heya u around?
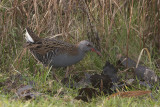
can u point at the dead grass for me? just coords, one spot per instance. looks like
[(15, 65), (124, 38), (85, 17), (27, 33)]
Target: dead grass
[(114, 26)]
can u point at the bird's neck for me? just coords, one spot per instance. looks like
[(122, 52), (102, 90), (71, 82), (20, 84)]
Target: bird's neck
[(81, 54)]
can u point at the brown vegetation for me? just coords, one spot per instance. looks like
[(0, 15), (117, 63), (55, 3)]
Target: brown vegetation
[(73, 20)]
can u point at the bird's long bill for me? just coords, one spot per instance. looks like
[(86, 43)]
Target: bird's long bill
[(96, 51)]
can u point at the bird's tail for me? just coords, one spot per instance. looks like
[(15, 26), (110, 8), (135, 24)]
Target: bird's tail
[(30, 36)]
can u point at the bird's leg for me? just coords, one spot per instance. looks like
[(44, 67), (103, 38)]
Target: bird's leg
[(67, 72), (54, 75)]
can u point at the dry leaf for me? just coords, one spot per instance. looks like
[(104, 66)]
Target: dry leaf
[(130, 94)]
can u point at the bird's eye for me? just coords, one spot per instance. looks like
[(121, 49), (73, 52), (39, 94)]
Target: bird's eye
[(89, 45)]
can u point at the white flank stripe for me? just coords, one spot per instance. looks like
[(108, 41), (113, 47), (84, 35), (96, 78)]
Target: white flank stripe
[(28, 37)]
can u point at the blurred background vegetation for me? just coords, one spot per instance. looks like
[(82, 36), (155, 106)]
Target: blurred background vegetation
[(114, 26)]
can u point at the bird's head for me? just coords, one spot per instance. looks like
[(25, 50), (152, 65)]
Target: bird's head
[(86, 46)]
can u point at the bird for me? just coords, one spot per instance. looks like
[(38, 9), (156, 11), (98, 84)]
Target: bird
[(56, 53)]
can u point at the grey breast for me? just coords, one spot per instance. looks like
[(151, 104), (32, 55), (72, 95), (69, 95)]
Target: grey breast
[(63, 60)]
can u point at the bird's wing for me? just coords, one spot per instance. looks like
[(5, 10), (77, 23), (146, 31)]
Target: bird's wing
[(57, 47)]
